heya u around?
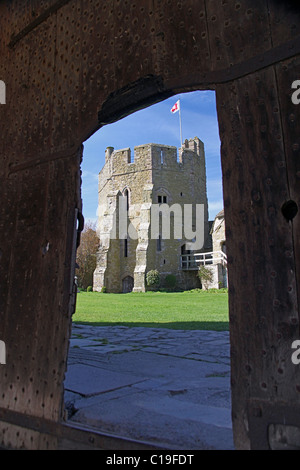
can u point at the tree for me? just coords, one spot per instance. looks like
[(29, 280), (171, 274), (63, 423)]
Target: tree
[(87, 255)]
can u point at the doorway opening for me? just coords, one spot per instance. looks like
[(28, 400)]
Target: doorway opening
[(127, 284), (152, 364)]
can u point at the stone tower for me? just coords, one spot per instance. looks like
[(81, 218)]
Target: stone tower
[(155, 176)]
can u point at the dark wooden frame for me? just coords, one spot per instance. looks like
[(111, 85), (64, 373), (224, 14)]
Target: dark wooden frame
[(70, 67)]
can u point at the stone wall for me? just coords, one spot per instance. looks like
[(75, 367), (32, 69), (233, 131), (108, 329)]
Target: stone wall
[(218, 233), (219, 276), (154, 174), (219, 270)]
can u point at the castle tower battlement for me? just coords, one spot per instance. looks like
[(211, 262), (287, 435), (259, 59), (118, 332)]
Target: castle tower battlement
[(153, 155)]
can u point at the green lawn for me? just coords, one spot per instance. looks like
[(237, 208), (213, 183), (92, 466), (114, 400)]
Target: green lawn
[(194, 310)]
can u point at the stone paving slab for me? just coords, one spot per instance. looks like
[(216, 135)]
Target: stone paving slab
[(144, 416), (170, 387), (220, 417), (87, 380)]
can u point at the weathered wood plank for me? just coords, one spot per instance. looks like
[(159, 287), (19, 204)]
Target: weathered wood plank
[(263, 299), (40, 267), (286, 73), (229, 24), (45, 434), (59, 72)]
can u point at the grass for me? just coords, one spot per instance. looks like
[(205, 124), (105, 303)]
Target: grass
[(190, 310)]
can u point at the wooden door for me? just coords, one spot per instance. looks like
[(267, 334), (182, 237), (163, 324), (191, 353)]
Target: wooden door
[(127, 284)]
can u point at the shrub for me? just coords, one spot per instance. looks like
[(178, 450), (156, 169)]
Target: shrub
[(103, 290), (152, 278), (170, 281), (89, 289)]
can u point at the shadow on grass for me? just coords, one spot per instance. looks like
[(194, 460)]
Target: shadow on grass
[(193, 325)]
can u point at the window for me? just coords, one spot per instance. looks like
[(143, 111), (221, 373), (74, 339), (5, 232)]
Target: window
[(126, 248), (158, 243), (162, 199), (126, 194)]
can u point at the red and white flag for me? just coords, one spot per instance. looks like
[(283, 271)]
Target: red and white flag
[(176, 107)]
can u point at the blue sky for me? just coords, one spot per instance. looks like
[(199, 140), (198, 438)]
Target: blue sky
[(158, 125)]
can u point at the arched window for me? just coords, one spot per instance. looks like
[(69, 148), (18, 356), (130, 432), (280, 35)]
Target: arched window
[(126, 195), (161, 156), (126, 248), (162, 196), (158, 243)]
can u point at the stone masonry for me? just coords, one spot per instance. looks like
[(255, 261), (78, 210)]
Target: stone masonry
[(219, 270), (155, 175)]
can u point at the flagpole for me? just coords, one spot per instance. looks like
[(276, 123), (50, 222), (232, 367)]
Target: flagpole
[(180, 124), (174, 109)]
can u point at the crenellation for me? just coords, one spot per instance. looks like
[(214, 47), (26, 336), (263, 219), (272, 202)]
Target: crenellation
[(200, 148), (120, 160), (108, 153), (163, 156), (152, 156), (142, 157), (188, 158), (193, 144)]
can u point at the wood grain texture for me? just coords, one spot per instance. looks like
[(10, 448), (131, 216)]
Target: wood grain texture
[(62, 63)]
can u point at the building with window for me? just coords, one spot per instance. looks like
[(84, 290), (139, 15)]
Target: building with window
[(135, 238)]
